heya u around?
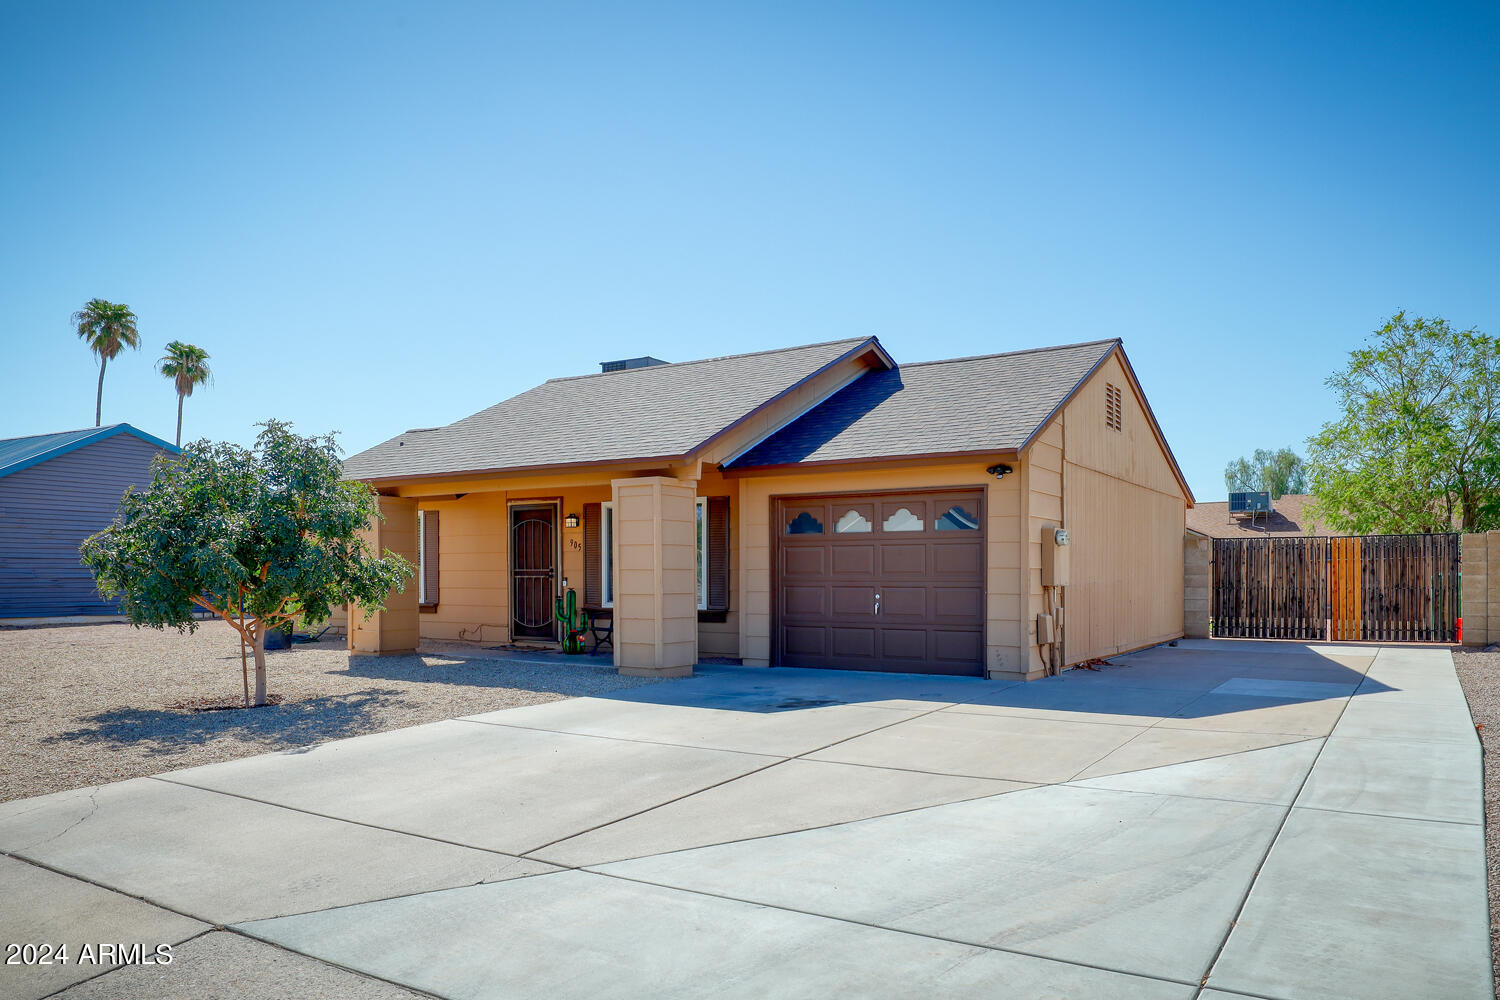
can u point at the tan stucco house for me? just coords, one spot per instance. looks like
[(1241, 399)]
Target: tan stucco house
[(819, 506)]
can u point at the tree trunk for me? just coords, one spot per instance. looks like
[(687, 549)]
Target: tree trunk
[(179, 420), (260, 663), (99, 396)]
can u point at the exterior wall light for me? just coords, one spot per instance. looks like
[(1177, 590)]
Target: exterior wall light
[(571, 521), (999, 471)]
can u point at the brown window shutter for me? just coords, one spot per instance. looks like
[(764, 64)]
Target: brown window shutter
[(718, 553), (430, 555), (593, 586)]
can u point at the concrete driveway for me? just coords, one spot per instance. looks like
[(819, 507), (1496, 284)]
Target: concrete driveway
[(1213, 820)]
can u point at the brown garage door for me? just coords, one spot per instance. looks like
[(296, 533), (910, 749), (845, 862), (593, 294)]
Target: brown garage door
[(881, 582)]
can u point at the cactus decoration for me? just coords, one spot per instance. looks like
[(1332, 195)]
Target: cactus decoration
[(575, 622)]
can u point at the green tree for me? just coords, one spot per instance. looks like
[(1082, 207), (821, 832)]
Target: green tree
[(108, 328), (1275, 472), (257, 537), (186, 366), (1417, 446)]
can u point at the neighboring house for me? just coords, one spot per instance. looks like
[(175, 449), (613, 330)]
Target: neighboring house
[(55, 491), (1289, 516), (818, 506)]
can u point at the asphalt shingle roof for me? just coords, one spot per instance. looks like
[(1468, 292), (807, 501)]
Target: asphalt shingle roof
[(991, 403), (1288, 516), (24, 452), (654, 412)]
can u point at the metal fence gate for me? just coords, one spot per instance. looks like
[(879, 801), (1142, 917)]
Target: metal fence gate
[(1380, 588)]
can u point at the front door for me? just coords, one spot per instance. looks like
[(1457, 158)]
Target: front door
[(533, 562)]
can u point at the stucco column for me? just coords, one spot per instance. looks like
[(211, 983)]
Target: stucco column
[(656, 593), (394, 630)]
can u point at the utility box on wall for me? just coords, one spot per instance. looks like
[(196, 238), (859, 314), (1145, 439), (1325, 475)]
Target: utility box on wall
[(1055, 561)]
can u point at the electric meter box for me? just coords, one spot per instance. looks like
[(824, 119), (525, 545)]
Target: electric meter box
[(1055, 559)]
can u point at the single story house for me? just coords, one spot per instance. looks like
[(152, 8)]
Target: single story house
[(55, 491), (1289, 515), (818, 506)]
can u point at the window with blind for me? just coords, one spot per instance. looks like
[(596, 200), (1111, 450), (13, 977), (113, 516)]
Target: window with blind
[(711, 515)]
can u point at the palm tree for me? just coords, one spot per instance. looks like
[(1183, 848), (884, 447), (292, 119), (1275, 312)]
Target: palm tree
[(187, 366), (108, 329)]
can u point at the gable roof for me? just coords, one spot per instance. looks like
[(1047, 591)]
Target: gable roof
[(661, 412), (993, 403), (1289, 516), (24, 452)]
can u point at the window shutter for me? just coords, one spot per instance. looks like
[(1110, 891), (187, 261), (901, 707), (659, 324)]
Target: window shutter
[(718, 553), (430, 556), (593, 586)]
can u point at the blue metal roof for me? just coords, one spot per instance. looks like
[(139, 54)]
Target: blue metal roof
[(24, 452)]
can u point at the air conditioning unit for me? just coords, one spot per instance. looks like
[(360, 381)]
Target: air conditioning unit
[(1249, 503)]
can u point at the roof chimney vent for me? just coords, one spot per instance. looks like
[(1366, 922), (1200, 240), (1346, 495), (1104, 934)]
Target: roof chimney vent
[(620, 366)]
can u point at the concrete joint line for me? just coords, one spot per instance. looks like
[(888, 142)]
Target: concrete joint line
[(109, 888), (1373, 815), (335, 965), (1270, 846), (116, 968), (641, 812), (336, 819), (1122, 746), (1029, 785), (400, 895), (1078, 722), (213, 925), (718, 784), (893, 930), (770, 836), (619, 739), (1238, 993)]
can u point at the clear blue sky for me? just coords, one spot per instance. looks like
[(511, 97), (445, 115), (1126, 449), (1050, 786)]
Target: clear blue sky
[(378, 216)]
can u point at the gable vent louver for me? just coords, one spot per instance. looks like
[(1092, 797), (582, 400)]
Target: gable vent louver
[(1112, 406)]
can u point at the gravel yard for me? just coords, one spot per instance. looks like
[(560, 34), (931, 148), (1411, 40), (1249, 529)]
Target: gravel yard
[(88, 704), (1479, 673)]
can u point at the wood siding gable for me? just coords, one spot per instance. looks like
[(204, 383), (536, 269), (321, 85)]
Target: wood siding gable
[(48, 509)]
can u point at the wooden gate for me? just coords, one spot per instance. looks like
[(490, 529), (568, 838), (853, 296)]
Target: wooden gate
[(1378, 588)]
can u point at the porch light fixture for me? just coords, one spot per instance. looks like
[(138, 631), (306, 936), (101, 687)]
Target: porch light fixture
[(999, 471), (571, 521)]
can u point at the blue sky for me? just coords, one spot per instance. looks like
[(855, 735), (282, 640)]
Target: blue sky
[(378, 216)]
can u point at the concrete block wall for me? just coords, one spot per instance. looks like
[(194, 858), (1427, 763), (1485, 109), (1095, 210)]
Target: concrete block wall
[(1480, 555), (1474, 556), (1489, 609), (1476, 553), (1197, 556)]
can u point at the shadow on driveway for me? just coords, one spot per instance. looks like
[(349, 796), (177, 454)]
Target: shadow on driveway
[(158, 732), (1151, 685), (581, 675)]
